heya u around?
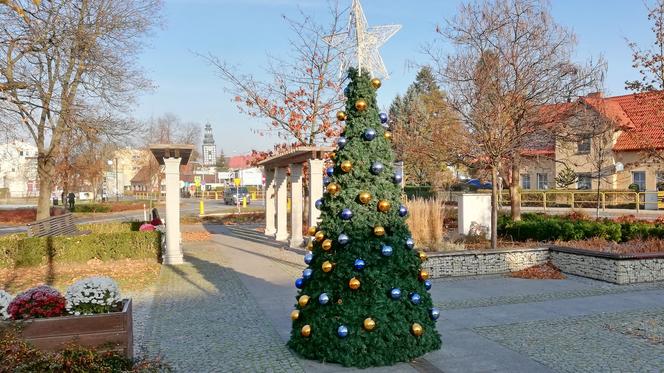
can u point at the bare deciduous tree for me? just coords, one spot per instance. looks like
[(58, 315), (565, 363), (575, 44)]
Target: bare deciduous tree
[(305, 92), (70, 56), (509, 59)]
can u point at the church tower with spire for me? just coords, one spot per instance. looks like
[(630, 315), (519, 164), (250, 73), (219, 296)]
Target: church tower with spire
[(209, 149)]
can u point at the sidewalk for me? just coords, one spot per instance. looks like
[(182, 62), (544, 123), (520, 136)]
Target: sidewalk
[(228, 310)]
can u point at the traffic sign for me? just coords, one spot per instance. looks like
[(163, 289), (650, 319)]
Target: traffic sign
[(237, 181), (197, 181)]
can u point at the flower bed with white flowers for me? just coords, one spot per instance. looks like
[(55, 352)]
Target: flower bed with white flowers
[(92, 313)]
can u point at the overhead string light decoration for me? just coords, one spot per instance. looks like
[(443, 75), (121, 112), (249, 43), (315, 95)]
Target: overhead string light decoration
[(358, 46)]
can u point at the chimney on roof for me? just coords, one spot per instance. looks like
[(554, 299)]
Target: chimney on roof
[(596, 95)]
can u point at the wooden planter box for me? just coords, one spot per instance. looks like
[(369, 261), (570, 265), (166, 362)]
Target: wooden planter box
[(108, 331)]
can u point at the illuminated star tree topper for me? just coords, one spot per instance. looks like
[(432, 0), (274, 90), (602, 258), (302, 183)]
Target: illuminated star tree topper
[(359, 45)]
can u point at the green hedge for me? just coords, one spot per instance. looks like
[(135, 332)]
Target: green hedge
[(92, 207), (25, 252), (541, 227)]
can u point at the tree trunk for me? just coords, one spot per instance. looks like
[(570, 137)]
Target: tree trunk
[(515, 195), (45, 169), (494, 207)]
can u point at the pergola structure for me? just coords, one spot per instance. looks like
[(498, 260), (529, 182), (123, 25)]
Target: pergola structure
[(275, 169)]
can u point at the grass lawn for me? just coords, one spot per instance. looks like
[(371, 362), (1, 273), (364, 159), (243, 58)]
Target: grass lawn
[(130, 274)]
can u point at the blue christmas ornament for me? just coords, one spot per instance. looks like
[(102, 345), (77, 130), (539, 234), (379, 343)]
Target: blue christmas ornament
[(343, 239), (435, 313), (427, 284), (369, 134), (308, 257), (299, 283), (395, 293), (359, 264), (383, 118), (329, 171), (415, 298), (346, 214), (403, 211), (376, 168), (397, 178), (410, 243), (326, 180), (306, 274), (319, 203), (323, 298), (342, 142), (386, 250), (347, 91), (342, 332)]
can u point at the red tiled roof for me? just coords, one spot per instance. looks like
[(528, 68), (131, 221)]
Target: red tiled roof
[(646, 113), (239, 161)]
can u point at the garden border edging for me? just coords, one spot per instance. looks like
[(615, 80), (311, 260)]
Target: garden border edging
[(614, 268)]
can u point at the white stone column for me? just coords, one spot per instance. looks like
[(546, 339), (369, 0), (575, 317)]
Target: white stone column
[(281, 186), (173, 252), (315, 189), (296, 205), (474, 208), (270, 202)]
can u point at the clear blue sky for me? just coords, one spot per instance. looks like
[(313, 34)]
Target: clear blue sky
[(243, 31)]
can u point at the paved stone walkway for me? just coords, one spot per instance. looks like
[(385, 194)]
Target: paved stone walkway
[(228, 310)]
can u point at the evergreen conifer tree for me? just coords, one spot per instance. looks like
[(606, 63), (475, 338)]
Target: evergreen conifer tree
[(363, 299)]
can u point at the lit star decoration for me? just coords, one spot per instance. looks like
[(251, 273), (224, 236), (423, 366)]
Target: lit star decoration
[(359, 44)]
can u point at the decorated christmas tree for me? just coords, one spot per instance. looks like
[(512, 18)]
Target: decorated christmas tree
[(363, 299)]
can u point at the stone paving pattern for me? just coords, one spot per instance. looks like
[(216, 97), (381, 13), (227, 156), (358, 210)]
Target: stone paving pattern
[(584, 343), (228, 310)]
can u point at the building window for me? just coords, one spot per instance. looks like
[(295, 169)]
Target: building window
[(583, 181), (583, 146), (525, 181), (542, 181), (660, 180), (20, 153), (639, 178)]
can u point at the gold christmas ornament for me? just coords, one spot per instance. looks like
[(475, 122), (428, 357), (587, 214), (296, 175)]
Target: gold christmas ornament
[(424, 275), (303, 300), (369, 324), (417, 329), (310, 245), (387, 135), (333, 188), (333, 155), (320, 236), (354, 283), (306, 331), (375, 82), (346, 166), (423, 256), (361, 105), (365, 197), (312, 230), (327, 266), (340, 301), (327, 245), (295, 314), (379, 231), (341, 116), (383, 205)]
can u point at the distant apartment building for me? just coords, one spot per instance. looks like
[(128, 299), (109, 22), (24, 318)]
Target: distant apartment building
[(129, 163), (614, 141), (18, 169)]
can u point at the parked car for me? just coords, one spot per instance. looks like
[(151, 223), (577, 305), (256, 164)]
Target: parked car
[(233, 195)]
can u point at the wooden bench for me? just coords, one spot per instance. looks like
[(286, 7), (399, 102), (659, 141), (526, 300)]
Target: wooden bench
[(61, 225)]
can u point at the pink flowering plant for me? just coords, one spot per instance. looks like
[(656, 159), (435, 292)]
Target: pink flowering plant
[(93, 295), (39, 302), (5, 299)]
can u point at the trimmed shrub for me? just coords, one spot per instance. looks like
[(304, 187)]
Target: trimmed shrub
[(540, 227), (92, 207), (79, 249), (39, 302)]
